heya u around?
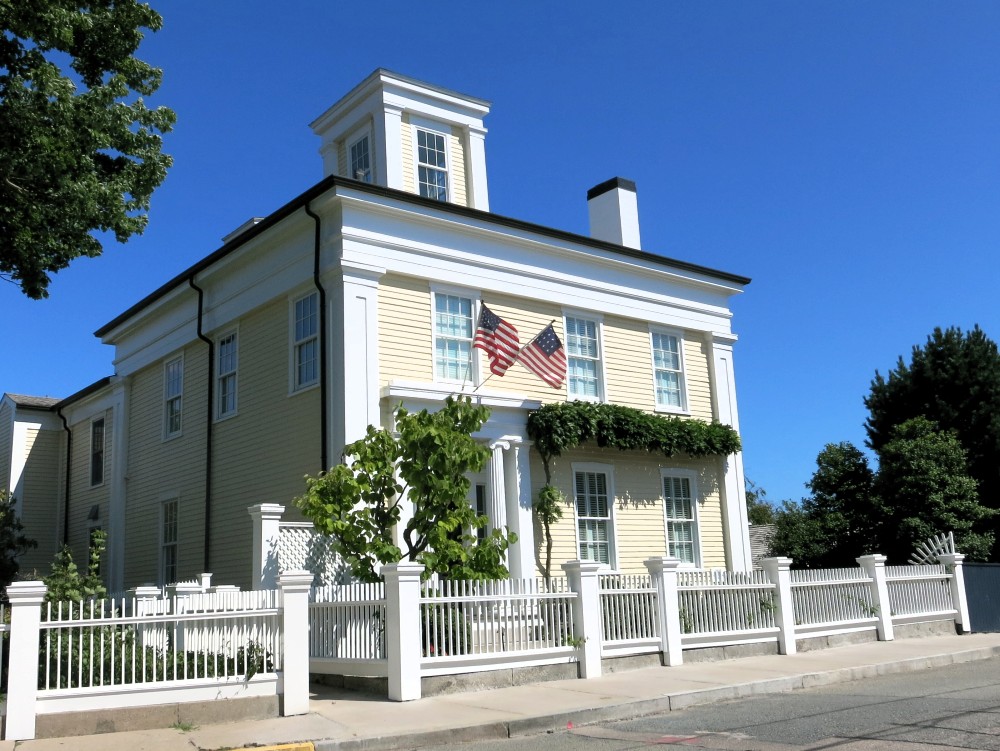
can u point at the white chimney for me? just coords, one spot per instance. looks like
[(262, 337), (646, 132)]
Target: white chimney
[(614, 212)]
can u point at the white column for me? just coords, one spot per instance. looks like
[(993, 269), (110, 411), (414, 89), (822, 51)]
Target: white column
[(521, 555), (402, 629), (874, 566), (954, 563), (266, 535), (295, 656), (479, 194), (733, 488), (582, 577), (663, 571), (119, 469), (22, 675), (778, 571), (498, 485)]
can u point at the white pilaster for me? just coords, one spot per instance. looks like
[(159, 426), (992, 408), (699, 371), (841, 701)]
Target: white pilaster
[(583, 580), (479, 195), (953, 561), (874, 566), (733, 488), (266, 533), (22, 677), (779, 572), (521, 555), (389, 146), (402, 629), (119, 487), (498, 485), (295, 621), (663, 572)]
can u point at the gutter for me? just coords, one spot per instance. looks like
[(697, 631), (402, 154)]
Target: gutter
[(69, 467), (323, 388), (209, 422)]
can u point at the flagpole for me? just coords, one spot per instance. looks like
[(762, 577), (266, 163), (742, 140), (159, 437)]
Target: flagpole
[(515, 356)]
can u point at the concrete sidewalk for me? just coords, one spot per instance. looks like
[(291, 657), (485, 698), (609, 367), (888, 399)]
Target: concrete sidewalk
[(346, 721)]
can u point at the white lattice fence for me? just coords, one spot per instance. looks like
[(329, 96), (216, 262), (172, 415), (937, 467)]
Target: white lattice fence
[(300, 547)]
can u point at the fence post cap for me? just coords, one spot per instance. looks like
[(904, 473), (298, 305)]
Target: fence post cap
[(662, 563), (26, 593), (584, 567), (402, 570), (947, 557), (779, 563), (876, 559), (266, 511)]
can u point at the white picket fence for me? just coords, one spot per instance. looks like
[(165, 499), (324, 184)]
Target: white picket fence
[(347, 629), (834, 600), (718, 608)]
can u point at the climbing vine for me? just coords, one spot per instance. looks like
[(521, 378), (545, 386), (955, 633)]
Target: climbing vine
[(558, 427)]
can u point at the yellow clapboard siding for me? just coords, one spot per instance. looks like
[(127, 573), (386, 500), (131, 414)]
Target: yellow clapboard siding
[(405, 338), (409, 155), (41, 490), (628, 363), (697, 376), (6, 444), (456, 162)]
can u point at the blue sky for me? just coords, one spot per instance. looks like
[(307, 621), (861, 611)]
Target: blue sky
[(844, 155)]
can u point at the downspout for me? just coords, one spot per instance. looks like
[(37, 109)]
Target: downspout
[(323, 388), (69, 466), (208, 423)]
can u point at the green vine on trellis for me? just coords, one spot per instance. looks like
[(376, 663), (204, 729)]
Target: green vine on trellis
[(558, 427)]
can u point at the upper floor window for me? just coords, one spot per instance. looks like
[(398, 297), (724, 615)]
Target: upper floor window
[(432, 164), (680, 510), (668, 371), (452, 337), (583, 366), (593, 515), (361, 161), (173, 389), (305, 344), (226, 358), (168, 541), (97, 452)]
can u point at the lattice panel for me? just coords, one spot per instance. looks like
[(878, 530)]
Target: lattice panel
[(304, 548)]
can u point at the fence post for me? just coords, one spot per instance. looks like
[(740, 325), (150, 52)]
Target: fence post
[(295, 638), (22, 673), (953, 561), (402, 630), (663, 572), (778, 571), (266, 531), (583, 580), (874, 566)]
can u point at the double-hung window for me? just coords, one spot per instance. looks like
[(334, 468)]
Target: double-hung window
[(432, 164), (583, 362), (305, 342), (97, 452), (168, 541), (226, 360), (361, 161), (668, 371), (592, 496), (453, 330), (680, 508), (173, 391)]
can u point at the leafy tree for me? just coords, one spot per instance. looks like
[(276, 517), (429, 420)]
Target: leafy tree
[(358, 503), (923, 477), (759, 511), (954, 381), (79, 149), (12, 541)]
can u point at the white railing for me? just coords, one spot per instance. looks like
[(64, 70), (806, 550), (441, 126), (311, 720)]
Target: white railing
[(832, 599), (473, 623), (98, 644), (629, 618), (919, 590), (347, 629), (725, 607)]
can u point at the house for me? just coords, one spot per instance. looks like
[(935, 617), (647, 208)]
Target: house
[(255, 366)]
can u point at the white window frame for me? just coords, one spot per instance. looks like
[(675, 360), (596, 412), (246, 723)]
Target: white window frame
[(352, 141), (104, 450), (434, 129), (480, 502), (473, 297), (598, 322), (692, 478), (682, 372), (170, 398), (609, 478), (233, 373), (166, 503), (296, 344)]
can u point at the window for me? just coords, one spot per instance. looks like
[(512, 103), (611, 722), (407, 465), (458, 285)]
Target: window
[(452, 337), (305, 345), (593, 516), (173, 388), (226, 362), (361, 163), (668, 372), (479, 506), (168, 541), (432, 165), (682, 527), (583, 366), (97, 452)]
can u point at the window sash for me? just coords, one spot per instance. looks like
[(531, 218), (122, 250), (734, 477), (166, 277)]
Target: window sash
[(97, 452), (227, 363), (667, 371), (682, 528), (173, 388), (168, 542), (583, 358), (306, 336), (432, 165), (453, 332), (361, 166), (593, 515)]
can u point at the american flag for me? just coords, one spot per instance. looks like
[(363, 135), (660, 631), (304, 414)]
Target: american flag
[(545, 357), (498, 339)]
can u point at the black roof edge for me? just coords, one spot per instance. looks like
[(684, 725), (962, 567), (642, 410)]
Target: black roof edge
[(85, 391), (333, 181), (614, 182)]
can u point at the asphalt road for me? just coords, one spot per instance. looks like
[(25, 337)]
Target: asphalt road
[(955, 707)]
